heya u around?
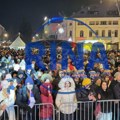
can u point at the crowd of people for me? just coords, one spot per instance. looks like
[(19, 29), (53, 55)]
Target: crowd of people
[(26, 86)]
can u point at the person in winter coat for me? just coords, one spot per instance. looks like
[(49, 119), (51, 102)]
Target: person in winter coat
[(117, 86), (7, 100), (46, 110), (27, 96), (116, 92), (84, 94), (106, 107), (66, 100)]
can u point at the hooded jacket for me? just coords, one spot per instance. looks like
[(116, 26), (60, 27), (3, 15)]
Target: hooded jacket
[(66, 100), (46, 110)]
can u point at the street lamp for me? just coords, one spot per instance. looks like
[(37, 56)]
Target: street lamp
[(37, 35), (45, 18), (6, 35)]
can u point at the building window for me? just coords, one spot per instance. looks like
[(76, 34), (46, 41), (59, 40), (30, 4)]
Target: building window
[(115, 22), (109, 22), (81, 33), (90, 33), (70, 33), (103, 23), (97, 22), (109, 33), (103, 33), (70, 24), (80, 23), (91, 23), (116, 33)]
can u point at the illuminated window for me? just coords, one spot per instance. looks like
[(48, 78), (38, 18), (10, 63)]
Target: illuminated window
[(70, 24), (116, 33), (90, 33), (103, 23), (70, 33), (91, 23), (81, 33), (103, 33), (80, 23), (109, 22), (115, 22), (97, 22), (109, 33)]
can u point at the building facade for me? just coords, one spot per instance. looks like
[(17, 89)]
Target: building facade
[(106, 28)]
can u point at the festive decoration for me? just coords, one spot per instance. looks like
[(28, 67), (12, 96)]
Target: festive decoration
[(102, 58), (35, 51), (53, 55), (37, 57)]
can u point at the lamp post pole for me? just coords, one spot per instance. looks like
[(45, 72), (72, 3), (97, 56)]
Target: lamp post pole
[(117, 5)]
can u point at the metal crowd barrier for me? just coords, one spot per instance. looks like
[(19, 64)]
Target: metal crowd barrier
[(11, 113), (38, 112), (83, 110), (89, 110)]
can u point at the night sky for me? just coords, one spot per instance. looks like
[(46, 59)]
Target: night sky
[(14, 12)]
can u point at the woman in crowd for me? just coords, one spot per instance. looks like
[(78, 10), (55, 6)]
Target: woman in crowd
[(106, 107), (46, 110), (27, 96)]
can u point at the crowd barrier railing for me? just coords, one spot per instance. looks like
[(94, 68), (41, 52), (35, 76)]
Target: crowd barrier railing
[(44, 111), (11, 113), (82, 110), (89, 110)]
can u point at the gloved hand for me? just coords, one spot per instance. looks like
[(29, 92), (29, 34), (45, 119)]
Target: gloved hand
[(25, 107)]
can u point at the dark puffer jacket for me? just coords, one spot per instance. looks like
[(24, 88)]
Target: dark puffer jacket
[(106, 106)]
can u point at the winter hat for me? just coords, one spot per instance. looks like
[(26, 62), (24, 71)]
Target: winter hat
[(86, 82), (46, 76), (29, 80)]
